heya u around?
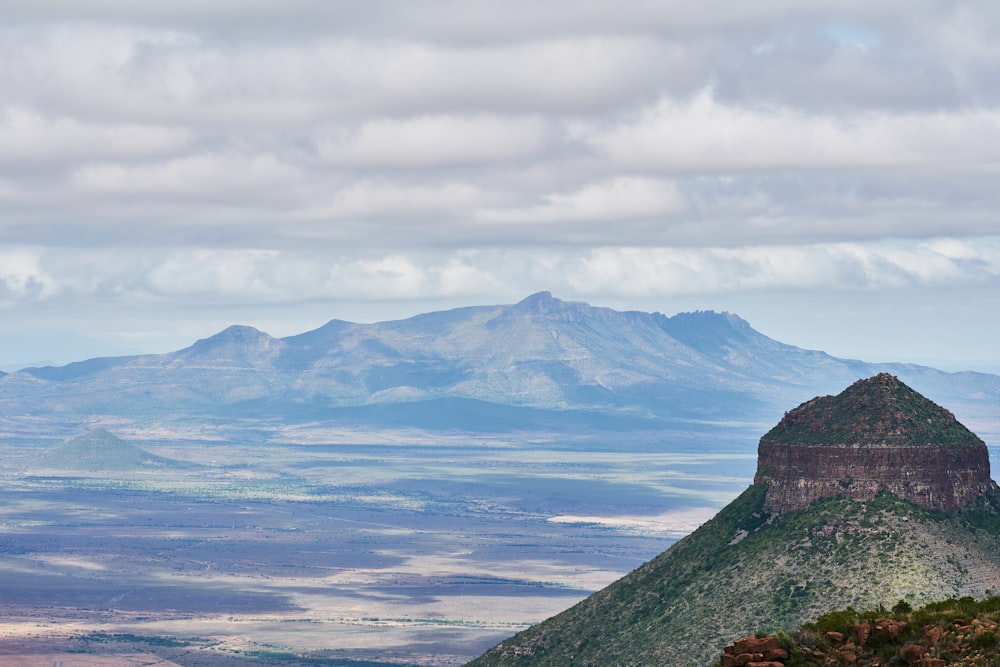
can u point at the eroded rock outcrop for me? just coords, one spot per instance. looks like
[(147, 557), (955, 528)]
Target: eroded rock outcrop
[(951, 633), (877, 435)]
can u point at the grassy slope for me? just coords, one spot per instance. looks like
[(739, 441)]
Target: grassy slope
[(741, 573)]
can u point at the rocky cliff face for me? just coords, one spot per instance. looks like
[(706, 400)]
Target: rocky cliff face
[(877, 435)]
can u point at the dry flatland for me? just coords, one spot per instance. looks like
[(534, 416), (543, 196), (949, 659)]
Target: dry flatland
[(320, 547)]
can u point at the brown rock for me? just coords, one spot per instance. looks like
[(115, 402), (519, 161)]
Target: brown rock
[(835, 638), (728, 660), (848, 657), (776, 654), (912, 652), (767, 663), (754, 644), (893, 628), (933, 633), (862, 631), (930, 662)]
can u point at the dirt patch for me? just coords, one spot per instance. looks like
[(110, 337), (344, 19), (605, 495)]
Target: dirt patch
[(77, 660)]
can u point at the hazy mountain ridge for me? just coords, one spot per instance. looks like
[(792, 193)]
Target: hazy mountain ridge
[(542, 353)]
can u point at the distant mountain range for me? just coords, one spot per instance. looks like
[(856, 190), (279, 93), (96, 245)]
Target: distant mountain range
[(540, 363)]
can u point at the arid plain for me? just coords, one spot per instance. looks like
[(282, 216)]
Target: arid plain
[(316, 545)]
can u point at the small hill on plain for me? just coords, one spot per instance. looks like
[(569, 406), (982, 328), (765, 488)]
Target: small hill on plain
[(98, 451)]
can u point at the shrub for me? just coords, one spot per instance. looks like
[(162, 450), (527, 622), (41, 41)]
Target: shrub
[(902, 607)]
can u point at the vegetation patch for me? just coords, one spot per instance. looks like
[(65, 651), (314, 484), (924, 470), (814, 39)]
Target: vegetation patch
[(880, 409), (129, 638), (957, 631)]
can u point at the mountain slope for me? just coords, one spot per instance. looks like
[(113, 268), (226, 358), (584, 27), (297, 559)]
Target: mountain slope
[(746, 571), (565, 359), (846, 529)]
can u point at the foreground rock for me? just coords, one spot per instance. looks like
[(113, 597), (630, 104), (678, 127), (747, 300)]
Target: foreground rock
[(954, 632)]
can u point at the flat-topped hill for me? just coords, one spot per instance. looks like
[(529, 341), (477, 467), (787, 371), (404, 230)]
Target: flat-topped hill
[(877, 435)]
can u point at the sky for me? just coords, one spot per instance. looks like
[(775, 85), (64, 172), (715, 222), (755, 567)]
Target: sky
[(826, 170)]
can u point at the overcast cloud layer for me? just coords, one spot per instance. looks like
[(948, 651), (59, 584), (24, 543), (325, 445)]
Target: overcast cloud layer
[(170, 168)]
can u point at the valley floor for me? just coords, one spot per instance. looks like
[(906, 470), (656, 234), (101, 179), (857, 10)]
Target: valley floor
[(316, 546)]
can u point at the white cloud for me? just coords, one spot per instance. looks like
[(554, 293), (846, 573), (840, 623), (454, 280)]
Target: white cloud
[(620, 199), (704, 135), (253, 275), (26, 137), (434, 141), (370, 200), (669, 272), (455, 20), (21, 275), (196, 174), (162, 76)]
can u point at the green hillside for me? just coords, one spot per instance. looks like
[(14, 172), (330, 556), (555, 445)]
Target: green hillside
[(746, 571)]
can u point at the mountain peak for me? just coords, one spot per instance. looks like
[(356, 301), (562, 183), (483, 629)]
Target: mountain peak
[(876, 435), (238, 332), (542, 306), (877, 410), (99, 437), (237, 338), (539, 302)]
